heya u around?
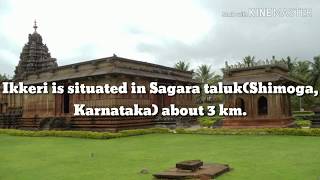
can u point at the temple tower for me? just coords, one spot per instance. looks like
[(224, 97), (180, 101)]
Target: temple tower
[(34, 57)]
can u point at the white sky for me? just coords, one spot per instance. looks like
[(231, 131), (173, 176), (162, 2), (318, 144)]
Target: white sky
[(158, 31)]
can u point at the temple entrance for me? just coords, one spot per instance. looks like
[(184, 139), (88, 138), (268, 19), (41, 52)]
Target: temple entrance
[(159, 100), (262, 106), (240, 104), (66, 103)]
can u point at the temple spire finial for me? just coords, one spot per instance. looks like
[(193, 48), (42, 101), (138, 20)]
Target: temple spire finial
[(35, 26)]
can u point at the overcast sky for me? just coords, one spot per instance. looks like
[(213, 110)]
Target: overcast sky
[(157, 31)]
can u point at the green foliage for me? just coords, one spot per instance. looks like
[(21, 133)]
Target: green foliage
[(307, 72), (182, 66), (289, 62), (251, 157), (248, 60), (83, 134), (204, 75), (301, 70), (315, 72), (206, 121), (136, 132), (4, 77), (303, 123), (257, 131)]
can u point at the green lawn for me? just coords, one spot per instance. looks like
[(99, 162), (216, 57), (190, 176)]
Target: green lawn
[(252, 157)]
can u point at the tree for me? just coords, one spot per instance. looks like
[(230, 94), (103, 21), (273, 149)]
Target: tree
[(4, 77), (248, 60), (315, 72), (203, 74), (215, 79), (312, 78), (301, 70), (289, 62), (308, 73), (183, 66)]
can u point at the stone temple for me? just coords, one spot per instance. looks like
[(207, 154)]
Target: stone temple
[(263, 110), (52, 111), (55, 111)]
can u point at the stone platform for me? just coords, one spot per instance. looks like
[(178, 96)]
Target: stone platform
[(257, 123), (193, 169)]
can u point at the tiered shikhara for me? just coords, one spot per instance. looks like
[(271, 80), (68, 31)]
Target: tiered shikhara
[(35, 56)]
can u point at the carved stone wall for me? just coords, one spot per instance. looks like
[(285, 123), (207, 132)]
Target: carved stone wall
[(263, 110)]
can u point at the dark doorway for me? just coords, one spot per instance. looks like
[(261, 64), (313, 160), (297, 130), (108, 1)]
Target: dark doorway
[(160, 100), (262, 106), (240, 104), (66, 103)]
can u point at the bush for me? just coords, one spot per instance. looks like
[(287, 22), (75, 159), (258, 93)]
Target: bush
[(135, 132), (83, 134), (127, 133), (206, 121), (302, 123), (258, 131)]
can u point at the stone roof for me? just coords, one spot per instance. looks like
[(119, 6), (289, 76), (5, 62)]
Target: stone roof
[(262, 71), (108, 66), (276, 78), (256, 65)]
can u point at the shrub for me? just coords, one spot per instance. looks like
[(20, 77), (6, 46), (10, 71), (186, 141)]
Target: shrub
[(83, 134), (127, 133), (258, 131), (135, 132), (206, 121), (302, 123)]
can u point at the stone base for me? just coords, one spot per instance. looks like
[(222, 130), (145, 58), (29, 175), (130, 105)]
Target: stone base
[(257, 123), (315, 122), (206, 171)]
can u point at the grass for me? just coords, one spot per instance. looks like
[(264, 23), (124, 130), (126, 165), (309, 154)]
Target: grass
[(252, 157)]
